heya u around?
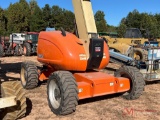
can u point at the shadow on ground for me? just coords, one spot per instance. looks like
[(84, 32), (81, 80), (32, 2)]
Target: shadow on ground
[(5, 68)]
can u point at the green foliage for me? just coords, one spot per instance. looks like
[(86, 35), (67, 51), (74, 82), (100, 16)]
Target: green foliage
[(62, 18), (36, 22), (68, 21), (56, 17), (100, 21), (111, 28), (142, 21), (18, 17), (23, 16), (121, 30), (46, 15), (3, 22)]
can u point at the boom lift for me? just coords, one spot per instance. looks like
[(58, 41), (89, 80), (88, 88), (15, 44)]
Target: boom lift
[(69, 63)]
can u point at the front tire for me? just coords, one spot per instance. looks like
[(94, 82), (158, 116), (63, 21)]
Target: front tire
[(137, 82), (18, 50), (140, 54), (13, 89), (29, 75), (62, 93), (1, 51), (27, 49)]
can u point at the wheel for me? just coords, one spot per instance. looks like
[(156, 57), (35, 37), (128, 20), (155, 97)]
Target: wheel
[(13, 88), (29, 75), (140, 54), (27, 49), (137, 82), (18, 50), (1, 51), (130, 52), (62, 93)]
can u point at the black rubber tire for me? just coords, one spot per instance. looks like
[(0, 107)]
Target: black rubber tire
[(28, 49), (29, 75), (67, 87), (13, 88), (137, 82), (142, 53), (131, 52), (18, 50), (1, 51)]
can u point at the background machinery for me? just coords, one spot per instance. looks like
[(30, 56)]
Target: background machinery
[(12, 100), (131, 44), (69, 64), (26, 43), (7, 46), (19, 44), (150, 68), (30, 43)]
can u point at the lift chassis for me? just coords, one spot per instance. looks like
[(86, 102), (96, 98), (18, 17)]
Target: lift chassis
[(69, 64)]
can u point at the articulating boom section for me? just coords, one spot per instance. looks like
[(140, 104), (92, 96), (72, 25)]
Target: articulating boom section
[(85, 21)]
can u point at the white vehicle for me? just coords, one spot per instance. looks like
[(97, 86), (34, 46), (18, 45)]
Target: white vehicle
[(26, 43), (18, 38)]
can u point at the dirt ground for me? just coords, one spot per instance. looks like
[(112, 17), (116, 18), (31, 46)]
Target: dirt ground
[(110, 107)]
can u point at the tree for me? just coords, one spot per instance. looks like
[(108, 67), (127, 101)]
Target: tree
[(148, 22), (57, 17), (36, 18), (3, 22), (46, 13), (121, 30), (143, 21), (18, 17), (132, 19), (111, 28), (100, 21), (25, 14), (62, 18), (68, 21), (157, 17)]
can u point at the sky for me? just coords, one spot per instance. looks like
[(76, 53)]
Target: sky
[(114, 10)]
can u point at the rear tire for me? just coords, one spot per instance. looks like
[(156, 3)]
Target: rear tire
[(1, 51), (13, 89), (141, 53), (131, 52), (18, 50), (29, 75), (62, 93), (137, 82), (27, 49)]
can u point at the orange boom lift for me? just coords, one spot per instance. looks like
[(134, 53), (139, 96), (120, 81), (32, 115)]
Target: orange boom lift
[(69, 63)]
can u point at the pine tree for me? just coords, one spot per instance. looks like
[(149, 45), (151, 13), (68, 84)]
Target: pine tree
[(100, 21)]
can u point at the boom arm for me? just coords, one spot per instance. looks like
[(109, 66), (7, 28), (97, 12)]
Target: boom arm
[(85, 21)]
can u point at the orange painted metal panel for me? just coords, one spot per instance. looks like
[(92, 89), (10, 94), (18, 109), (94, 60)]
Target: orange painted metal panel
[(45, 73), (85, 90), (65, 52), (97, 83), (123, 84), (61, 52)]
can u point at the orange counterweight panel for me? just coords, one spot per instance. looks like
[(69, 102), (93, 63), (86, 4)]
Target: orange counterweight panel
[(61, 52), (97, 83), (65, 52)]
